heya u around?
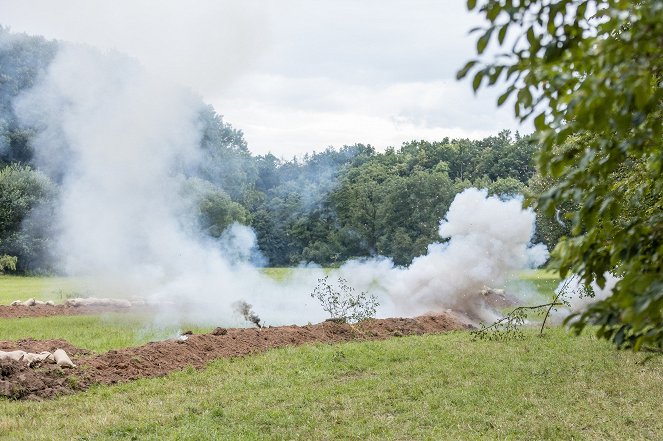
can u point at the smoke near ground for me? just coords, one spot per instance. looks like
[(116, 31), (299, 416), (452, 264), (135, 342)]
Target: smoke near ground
[(123, 144), (487, 240)]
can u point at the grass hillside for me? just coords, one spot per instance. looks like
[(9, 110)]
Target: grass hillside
[(432, 387)]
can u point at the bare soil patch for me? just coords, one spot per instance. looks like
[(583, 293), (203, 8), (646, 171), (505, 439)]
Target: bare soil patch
[(160, 358)]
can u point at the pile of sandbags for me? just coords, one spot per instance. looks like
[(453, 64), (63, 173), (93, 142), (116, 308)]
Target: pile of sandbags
[(59, 357), (487, 291), (92, 301), (32, 302)]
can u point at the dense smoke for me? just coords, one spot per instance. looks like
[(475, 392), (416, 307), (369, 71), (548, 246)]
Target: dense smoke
[(123, 144), (488, 239)]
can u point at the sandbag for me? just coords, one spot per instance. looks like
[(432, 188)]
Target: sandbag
[(62, 359), (92, 301), (32, 302), (30, 358), (12, 355)]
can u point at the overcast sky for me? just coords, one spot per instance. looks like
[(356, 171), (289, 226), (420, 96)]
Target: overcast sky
[(296, 75)]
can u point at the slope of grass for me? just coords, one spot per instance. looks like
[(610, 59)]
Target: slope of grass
[(431, 387), (98, 333)]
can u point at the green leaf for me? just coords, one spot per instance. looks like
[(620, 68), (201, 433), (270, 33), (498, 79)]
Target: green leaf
[(501, 35), (540, 121), (482, 43), (505, 95), (477, 80), (463, 72)]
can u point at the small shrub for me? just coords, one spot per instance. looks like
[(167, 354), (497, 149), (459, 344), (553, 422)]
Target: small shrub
[(8, 263), (342, 303)]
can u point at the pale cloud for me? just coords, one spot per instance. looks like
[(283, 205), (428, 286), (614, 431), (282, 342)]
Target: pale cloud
[(290, 116), (296, 75)]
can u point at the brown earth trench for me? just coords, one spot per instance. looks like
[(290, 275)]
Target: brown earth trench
[(155, 359)]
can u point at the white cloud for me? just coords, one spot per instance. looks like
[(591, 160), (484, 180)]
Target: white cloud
[(296, 75), (290, 116)]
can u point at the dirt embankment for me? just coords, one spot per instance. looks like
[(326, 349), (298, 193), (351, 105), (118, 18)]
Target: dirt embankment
[(160, 358)]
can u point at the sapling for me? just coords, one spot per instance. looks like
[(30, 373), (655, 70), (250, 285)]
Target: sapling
[(342, 302)]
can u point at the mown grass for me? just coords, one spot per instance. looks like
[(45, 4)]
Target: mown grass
[(432, 387), (41, 288), (98, 333)]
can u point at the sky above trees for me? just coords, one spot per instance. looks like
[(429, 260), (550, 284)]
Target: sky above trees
[(294, 75)]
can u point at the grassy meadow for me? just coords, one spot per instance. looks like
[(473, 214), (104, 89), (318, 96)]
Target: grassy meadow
[(41, 288), (431, 387), (98, 333)]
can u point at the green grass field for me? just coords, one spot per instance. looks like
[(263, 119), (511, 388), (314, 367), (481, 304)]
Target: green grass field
[(41, 288), (431, 387), (99, 333)]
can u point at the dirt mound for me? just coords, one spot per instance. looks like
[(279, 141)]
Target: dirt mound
[(46, 380), (160, 358), (48, 311)]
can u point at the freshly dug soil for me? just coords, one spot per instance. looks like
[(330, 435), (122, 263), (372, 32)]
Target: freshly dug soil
[(46, 380), (48, 311), (160, 358)]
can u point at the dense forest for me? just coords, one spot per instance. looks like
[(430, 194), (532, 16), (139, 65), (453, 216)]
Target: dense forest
[(325, 207)]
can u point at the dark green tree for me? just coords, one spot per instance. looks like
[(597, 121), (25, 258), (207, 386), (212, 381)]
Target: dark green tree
[(26, 212)]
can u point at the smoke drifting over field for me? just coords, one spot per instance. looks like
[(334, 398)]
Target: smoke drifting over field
[(122, 144), (488, 240)]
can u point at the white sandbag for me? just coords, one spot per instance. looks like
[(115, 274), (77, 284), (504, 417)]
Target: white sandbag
[(62, 359), (39, 303), (50, 303), (30, 358), (92, 301), (16, 303), (12, 355), (29, 302)]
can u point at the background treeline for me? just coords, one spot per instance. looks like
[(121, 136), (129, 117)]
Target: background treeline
[(324, 207)]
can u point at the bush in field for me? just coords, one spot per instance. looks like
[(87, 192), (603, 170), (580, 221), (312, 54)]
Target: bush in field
[(7, 263), (342, 302)]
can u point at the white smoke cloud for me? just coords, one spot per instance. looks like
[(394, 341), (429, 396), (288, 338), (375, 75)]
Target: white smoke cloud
[(579, 299), (240, 244), (121, 142), (489, 239)]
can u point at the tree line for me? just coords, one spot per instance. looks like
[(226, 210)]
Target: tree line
[(324, 207)]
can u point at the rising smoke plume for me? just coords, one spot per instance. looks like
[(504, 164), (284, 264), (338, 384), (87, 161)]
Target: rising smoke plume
[(488, 239), (122, 144)]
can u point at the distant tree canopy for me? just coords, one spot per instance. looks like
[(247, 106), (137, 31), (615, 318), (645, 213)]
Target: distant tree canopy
[(325, 207), (590, 74)]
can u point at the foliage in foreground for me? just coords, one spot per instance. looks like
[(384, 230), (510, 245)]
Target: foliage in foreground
[(430, 387), (590, 74)]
